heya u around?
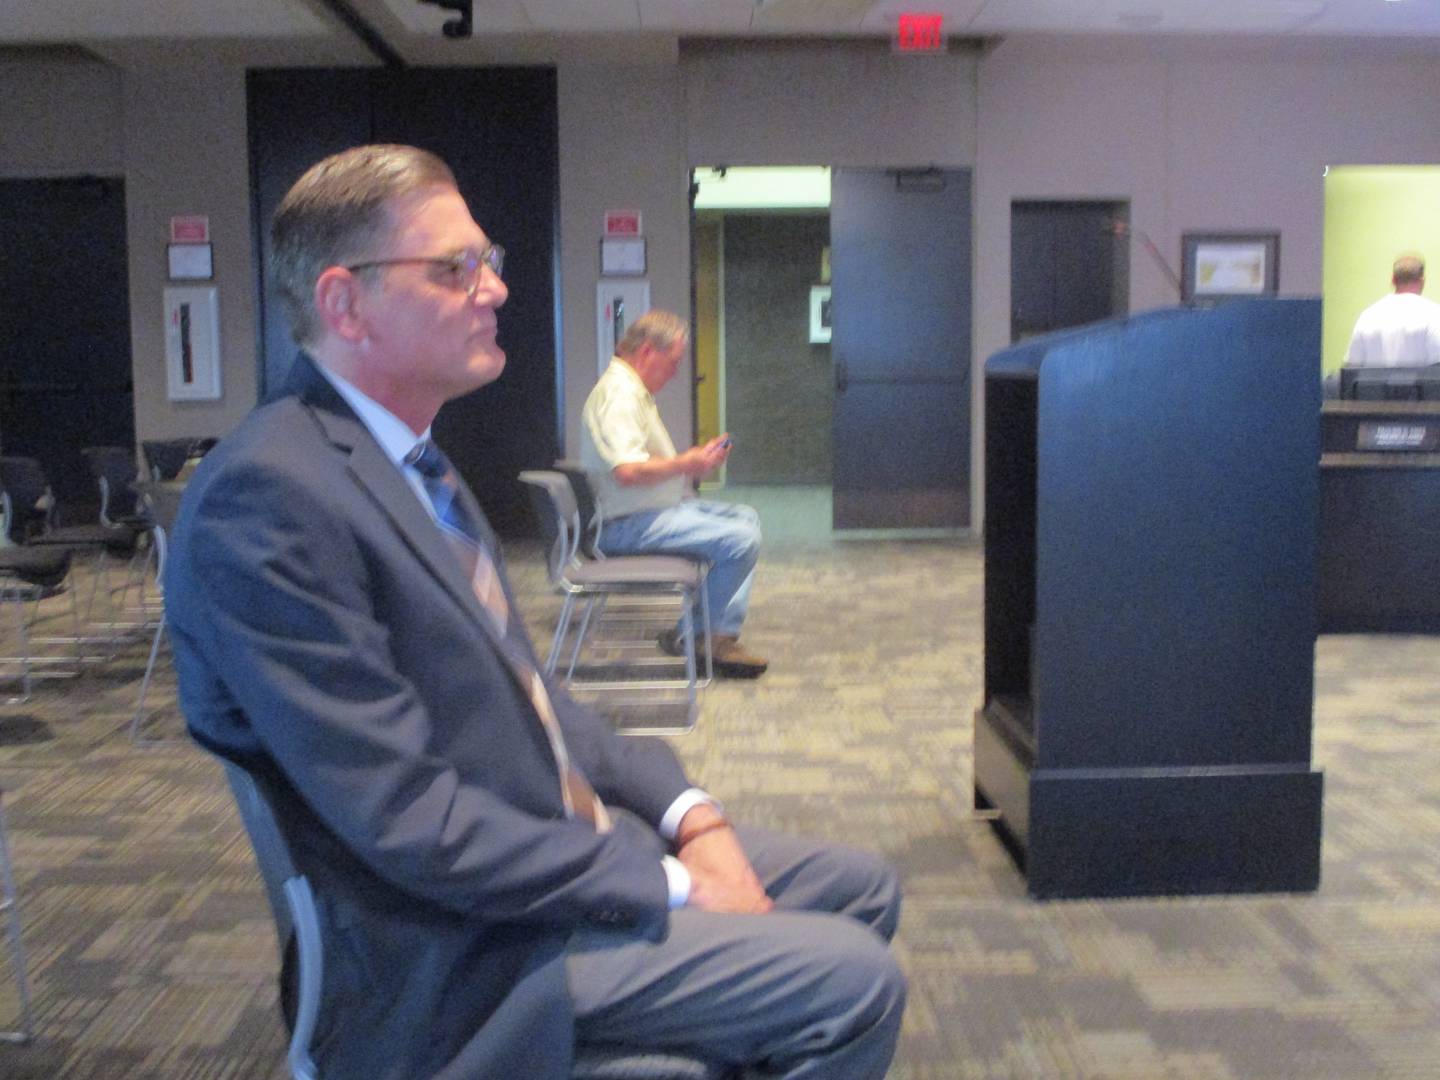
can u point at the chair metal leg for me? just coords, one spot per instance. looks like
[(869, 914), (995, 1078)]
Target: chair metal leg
[(594, 605), (301, 901), (705, 629), (145, 685), (10, 908), (22, 659), (30, 666), (567, 611)]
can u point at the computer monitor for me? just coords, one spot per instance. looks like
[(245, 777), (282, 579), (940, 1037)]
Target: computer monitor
[(1390, 383)]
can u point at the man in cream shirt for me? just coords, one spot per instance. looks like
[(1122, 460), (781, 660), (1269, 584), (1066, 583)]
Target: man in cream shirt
[(642, 486)]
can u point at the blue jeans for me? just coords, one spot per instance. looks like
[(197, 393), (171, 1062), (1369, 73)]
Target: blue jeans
[(727, 535)]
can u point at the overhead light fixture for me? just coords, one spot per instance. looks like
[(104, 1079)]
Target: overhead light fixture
[(461, 27)]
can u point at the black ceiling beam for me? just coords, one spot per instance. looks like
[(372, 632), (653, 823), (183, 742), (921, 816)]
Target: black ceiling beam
[(367, 33)]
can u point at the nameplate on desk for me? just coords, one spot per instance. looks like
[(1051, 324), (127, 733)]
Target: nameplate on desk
[(1423, 438)]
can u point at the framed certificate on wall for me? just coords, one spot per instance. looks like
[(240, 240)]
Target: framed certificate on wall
[(189, 262), (622, 256), (1218, 266)]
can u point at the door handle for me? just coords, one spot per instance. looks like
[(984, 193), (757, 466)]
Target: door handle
[(842, 377)]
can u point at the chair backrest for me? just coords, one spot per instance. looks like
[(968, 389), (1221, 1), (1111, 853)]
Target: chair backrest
[(164, 458), (554, 504), (162, 501), (586, 502), (272, 854), (292, 903), (27, 498), (114, 468)]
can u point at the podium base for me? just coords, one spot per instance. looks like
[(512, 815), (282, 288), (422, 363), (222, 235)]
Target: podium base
[(1134, 831)]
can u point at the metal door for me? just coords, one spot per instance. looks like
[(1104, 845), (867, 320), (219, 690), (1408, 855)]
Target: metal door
[(900, 313), (65, 369)]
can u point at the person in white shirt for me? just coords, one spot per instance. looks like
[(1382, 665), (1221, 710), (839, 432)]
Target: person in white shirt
[(642, 486), (1399, 330)]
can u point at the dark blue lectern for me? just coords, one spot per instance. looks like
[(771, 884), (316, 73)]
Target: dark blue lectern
[(1150, 587)]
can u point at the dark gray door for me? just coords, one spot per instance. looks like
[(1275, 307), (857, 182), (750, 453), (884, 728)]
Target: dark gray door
[(496, 128), (1069, 264), (65, 373), (900, 317)]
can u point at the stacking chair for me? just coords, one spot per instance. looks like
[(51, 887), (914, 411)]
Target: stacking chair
[(165, 459), (10, 912), (28, 505), (292, 902), (163, 503), (29, 508), (586, 503), (595, 580), (114, 470), (27, 576)]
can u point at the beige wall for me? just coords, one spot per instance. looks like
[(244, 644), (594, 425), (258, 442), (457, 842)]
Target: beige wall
[(60, 118), (177, 136), (1197, 135), (630, 134), (621, 145), (185, 153), (827, 104)]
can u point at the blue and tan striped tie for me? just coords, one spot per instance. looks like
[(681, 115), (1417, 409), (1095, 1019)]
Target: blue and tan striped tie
[(466, 540)]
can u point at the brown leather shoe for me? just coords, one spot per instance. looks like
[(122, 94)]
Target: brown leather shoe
[(731, 661), (734, 662)]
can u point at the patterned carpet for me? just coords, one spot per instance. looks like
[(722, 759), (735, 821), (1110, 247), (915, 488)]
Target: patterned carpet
[(152, 955)]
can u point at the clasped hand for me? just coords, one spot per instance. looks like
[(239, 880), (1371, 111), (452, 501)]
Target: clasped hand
[(721, 878)]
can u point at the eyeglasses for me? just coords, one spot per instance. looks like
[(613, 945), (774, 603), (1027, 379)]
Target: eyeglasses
[(465, 267)]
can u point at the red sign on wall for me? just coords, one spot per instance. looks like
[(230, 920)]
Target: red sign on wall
[(190, 229), (622, 222), (920, 32)]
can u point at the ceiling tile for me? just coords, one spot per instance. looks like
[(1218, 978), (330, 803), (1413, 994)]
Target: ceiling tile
[(582, 16), (74, 20), (697, 16), (491, 16)]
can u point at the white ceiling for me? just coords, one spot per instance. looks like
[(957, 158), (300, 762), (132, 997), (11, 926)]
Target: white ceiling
[(412, 29)]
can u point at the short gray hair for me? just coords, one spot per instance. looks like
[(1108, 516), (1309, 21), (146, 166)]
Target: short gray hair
[(658, 329), (336, 213), (1408, 269)]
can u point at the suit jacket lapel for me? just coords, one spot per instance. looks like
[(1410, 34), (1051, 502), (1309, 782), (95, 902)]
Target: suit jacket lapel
[(393, 496)]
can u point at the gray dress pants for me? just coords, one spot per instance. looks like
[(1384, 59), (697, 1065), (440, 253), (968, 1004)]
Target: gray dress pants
[(804, 992)]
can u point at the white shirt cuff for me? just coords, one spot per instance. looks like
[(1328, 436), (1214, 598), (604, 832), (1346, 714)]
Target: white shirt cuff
[(678, 880), (684, 803)]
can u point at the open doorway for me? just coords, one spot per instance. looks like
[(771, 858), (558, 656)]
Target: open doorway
[(850, 425), (761, 240)]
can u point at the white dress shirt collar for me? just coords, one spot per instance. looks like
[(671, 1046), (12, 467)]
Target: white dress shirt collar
[(392, 433)]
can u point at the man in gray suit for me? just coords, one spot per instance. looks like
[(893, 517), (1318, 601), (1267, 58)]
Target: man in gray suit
[(498, 873)]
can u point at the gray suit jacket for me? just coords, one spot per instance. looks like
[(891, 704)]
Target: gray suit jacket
[(327, 641)]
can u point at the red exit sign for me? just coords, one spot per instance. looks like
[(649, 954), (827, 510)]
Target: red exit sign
[(922, 32)]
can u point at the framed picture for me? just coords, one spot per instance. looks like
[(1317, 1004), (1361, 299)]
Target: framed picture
[(819, 314), (192, 344), (1218, 266), (622, 256), (189, 262)]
